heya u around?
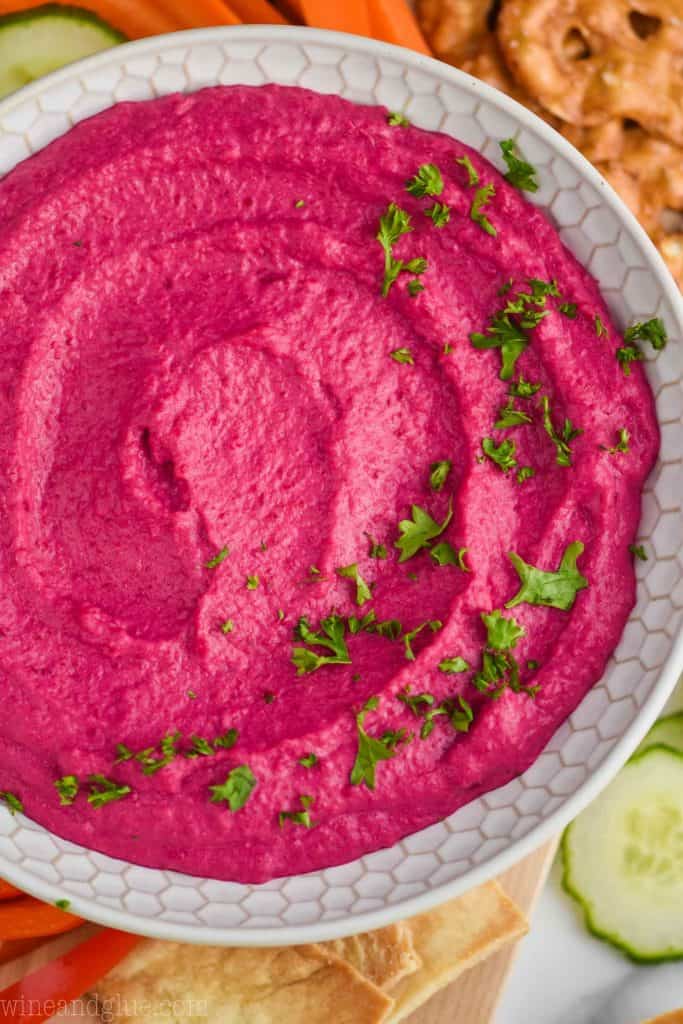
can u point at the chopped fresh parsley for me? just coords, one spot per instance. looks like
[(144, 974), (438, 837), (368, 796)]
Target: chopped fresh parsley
[(502, 633), (524, 473), (621, 445), (563, 440), (67, 787), (269, 697), (653, 331), (280, 615), (357, 625), (62, 904), (403, 355), (438, 473), (377, 550), (371, 749), (454, 665), (504, 334), (12, 802), (427, 182), (105, 791), (519, 173), (363, 591), (227, 626), (415, 287), (392, 224), (600, 328), (540, 290), (445, 554), (299, 203), (458, 712), (439, 213), (389, 628), (415, 701), (302, 817), (207, 748), (252, 582), (191, 695), (218, 558), (434, 624), (522, 388), (627, 355), (308, 760), (472, 174), (236, 789), (331, 638), (550, 589), (639, 551), (149, 759), (417, 532), (568, 309), (397, 120), (503, 454), (227, 740), (481, 199), (510, 416)]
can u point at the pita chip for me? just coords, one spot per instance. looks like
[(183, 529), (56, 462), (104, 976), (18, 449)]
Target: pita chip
[(453, 938), (167, 983), (383, 956)]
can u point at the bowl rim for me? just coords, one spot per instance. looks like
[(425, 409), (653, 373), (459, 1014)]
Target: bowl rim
[(546, 829)]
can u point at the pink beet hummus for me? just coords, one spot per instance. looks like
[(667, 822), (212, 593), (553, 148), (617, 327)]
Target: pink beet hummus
[(202, 421)]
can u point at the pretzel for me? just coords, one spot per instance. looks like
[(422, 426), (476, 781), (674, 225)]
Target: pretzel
[(488, 65), (591, 61), (454, 28)]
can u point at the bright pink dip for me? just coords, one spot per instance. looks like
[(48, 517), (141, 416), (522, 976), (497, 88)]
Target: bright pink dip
[(191, 360)]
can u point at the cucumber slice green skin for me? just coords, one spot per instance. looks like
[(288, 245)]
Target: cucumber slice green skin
[(667, 732), (36, 41), (621, 942)]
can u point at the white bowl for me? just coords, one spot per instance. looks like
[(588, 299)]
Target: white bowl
[(488, 835)]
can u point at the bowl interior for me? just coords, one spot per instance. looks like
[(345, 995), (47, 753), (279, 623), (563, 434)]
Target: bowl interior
[(489, 834)]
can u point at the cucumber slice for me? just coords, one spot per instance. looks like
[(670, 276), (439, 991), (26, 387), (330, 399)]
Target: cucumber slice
[(667, 732), (42, 39), (623, 858)]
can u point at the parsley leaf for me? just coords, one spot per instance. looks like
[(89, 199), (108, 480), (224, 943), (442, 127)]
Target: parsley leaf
[(371, 750), (403, 355), (506, 335), (12, 802), (438, 473), (392, 224), (236, 789), (363, 591), (417, 532), (252, 582), (627, 355), (459, 713), (397, 120), (550, 589), (302, 817), (427, 182), (227, 627), (200, 748), (415, 701), (622, 444), (481, 199), (503, 454), (653, 331), (308, 760), (445, 554), (435, 625), (218, 558), (67, 787), (453, 665), (472, 174), (150, 761), (519, 172), (502, 633), (227, 740), (415, 287), (377, 550), (561, 441), (639, 551), (63, 904), (332, 638), (509, 416), (105, 791), (600, 328), (525, 473), (568, 309), (461, 560), (440, 214), (389, 628), (522, 388)]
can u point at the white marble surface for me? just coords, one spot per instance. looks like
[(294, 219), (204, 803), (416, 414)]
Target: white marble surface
[(565, 976)]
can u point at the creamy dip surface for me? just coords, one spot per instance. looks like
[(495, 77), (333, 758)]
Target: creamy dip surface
[(219, 388)]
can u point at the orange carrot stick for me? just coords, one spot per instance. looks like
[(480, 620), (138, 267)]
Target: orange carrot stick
[(33, 999), (132, 19), (257, 12), (19, 947), (8, 892), (27, 918), (394, 22), (194, 13), (342, 15)]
